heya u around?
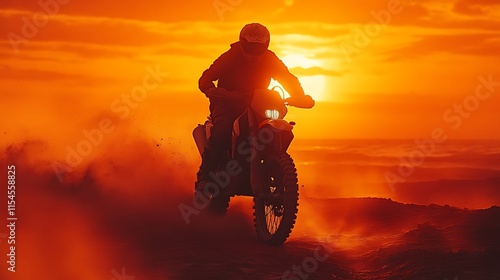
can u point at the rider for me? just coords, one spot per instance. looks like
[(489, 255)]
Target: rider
[(248, 65)]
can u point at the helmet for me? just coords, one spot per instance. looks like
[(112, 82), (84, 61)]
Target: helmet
[(254, 38)]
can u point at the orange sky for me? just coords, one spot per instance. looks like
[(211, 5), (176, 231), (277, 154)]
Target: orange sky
[(64, 75), (402, 80)]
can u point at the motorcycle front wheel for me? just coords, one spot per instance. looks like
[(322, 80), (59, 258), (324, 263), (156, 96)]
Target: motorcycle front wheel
[(275, 210)]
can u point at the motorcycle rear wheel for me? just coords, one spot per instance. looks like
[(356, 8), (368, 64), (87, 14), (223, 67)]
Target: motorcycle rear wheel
[(275, 210), (219, 204)]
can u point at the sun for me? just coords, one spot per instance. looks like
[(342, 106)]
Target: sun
[(313, 85), (298, 60)]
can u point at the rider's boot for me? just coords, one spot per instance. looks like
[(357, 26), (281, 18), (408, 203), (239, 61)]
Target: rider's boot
[(208, 164)]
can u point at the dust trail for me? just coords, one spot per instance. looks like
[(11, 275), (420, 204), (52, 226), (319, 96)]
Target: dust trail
[(117, 208)]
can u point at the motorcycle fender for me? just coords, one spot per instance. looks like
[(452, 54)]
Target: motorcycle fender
[(281, 138), (277, 124)]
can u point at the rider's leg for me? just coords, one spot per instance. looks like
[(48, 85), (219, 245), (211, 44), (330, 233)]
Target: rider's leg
[(223, 115), (218, 143)]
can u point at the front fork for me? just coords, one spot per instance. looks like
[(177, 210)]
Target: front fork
[(263, 148)]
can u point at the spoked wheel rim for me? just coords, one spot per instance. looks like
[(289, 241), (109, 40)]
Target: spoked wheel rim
[(277, 206), (273, 205)]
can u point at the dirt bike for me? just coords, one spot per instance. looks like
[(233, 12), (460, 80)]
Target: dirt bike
[(257, 164)]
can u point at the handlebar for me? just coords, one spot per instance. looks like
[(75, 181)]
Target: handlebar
[(305, 101)]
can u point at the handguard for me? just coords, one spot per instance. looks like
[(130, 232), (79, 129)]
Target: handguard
[(305, 101)]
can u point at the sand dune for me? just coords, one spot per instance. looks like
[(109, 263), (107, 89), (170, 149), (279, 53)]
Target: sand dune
[(112, 221)]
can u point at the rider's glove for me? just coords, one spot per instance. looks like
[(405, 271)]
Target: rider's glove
[(302, 101)]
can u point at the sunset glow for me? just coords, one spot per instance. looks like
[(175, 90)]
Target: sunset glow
[(340, 52), (313, 85), (99, 100)]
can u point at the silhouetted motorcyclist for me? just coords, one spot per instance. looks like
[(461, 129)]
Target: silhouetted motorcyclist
[(248, 65)]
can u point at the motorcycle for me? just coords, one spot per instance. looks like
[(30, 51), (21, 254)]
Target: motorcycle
[(257, 164)]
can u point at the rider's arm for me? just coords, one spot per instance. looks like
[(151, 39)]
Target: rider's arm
[(213, 73), (281, 73)]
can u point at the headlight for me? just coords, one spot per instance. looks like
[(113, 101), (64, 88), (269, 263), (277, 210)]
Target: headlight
[(272, 114)]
